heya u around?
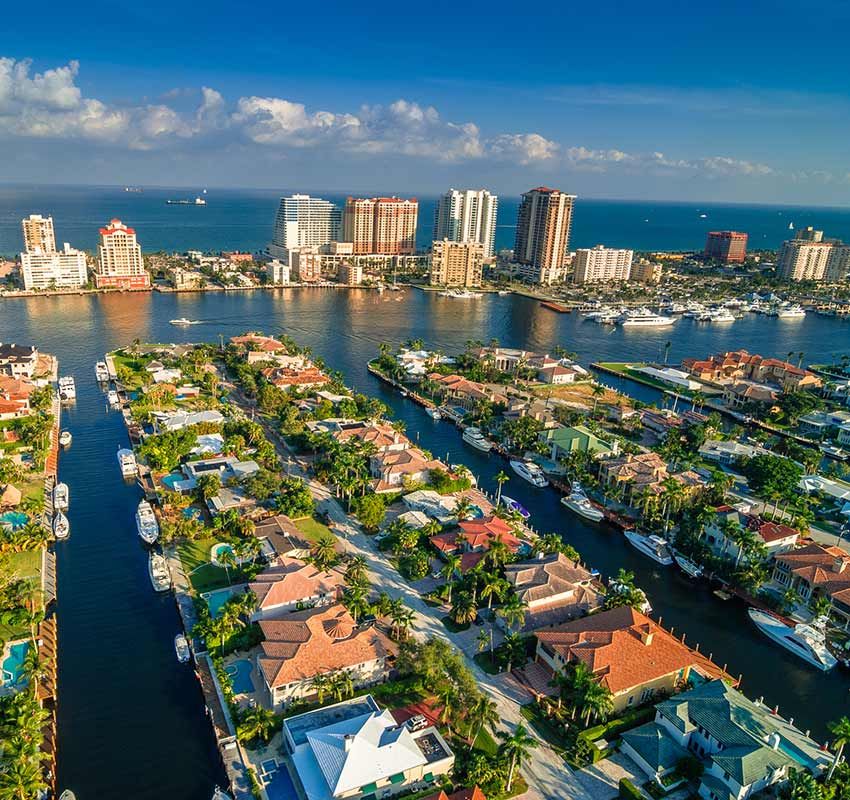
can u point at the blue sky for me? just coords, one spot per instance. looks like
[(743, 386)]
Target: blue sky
[(659, 101)]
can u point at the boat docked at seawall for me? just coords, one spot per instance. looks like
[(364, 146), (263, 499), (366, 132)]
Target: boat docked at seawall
[(67, 389), (474, 437), (159, 574), (790, 312), (529, 471), (653, 546), (806, 640), (101, 372), (690, 568), (113, 399), (434, 413), (65, 438), (146, 523), (458, 294), (181, 648), (514, 505), (127, 462), (643, 318), (61, 526), (578, 502), (61, 497)]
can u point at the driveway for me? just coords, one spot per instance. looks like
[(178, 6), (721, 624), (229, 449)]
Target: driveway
[(601, 781)]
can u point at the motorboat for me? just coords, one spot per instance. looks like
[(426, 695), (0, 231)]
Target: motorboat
[(183, 321), (459, 294), (834, 452), (719, 315), (653, 546), (643, 318), (434, 413), (690, 568), (159, 574), (127, 461), (112, 398), (529, 471), (146, 522), (101, 372), (61, 526), (790, 312), (806, 640), (181, 647), (619, 588), (514, 505), (60, 497), (503, 292), (67, 795), (474, 437), (220, 794), (65, 438), (578, 502), (67, 389)]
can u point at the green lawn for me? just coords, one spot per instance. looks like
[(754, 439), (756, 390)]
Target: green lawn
[(453, 626), (26, 564), (486, 663), (486, 743), (312, 529), (203, 575)]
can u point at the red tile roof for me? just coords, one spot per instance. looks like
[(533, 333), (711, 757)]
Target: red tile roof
[(289, 580)]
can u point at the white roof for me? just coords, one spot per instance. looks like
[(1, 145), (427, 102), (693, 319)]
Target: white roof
[(180, 419), (817, 483), (363, 750)]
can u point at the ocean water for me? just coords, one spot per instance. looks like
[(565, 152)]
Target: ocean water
[(243, 219)]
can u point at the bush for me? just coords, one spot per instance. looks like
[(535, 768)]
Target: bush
[(370, 510), (628, 791)]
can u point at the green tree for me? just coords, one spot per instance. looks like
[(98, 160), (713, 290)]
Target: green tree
[(516, 747), (371, 511), (840, 730)]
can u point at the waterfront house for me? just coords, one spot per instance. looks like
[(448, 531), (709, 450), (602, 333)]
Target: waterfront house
[(379, 435), (645, 473), (476, 536), (288, 378), (823, 423), (563, 441), (256, 342), (739, 365), (290, 584), (745, 393), (18, 360), (509, 360), (355, 751), (15, 397), (671, 376), (627, 652), (177, 420), (228, 468), (817, 570), (395, 469), (279, 536), (461, 391), (728, 452), (437, 506), (554, 589), (417, 363), (320, 641), (774, 536), (743, 746), (557, 374)]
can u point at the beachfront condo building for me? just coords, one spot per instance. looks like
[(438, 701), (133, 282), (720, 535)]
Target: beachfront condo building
[(805, 257), (304, 221), (467, 215), (602, 265), (543, 234), (456, 263), (381, 225), (38, 234), (119, 259), (730, 247)]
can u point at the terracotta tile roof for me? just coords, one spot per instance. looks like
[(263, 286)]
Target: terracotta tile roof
[(289, 580), (771, 531), (624, 649), (265, 343), (315, 642), (481, 532), (824, 568), (537, 581), (464, 794), (378, 434)]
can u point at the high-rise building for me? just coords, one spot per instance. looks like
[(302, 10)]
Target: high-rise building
[(38, 234), (456, 263), (65, 269), (644, 271), (838, 265), (807, 256), (467, 215), (304, 221), (381, 225), (727, 246), (119, 259), (602, 265), (543, 234)]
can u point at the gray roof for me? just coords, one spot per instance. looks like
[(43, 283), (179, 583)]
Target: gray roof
[(655, 746)]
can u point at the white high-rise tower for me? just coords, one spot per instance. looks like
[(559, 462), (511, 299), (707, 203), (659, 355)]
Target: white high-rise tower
[(467, 215)]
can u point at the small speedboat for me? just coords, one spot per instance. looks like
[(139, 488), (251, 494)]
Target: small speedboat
[(60, 497), (101, 372), (690, 568), (529, 471), (112, 398), (514, 505), (578, 502), (65, 438), (61, 526), (653, 546), (181, 647), (182, 321), (434, 413), (159, 574)]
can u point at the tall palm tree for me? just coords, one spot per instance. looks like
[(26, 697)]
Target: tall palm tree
[(402, 620), (597, 701), (449, 570), (463, 508), (516, 746), (493, 586), (597, 391), (483, 712), (513, 612), (324, 552), (840, 729), (463, 609), (227, 559), (356, 571), (258, 723), (356, 600), (321, 685), (501, 478)]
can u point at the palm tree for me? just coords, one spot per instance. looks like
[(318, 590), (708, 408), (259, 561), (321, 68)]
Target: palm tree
[(227, 559), (498, 553), (402, 620), (597, 391), (483, 712), (597, 701), (356, 600), (463, 508), (463, 609), (841, 731), (356, 571), (21, 779), (820, 605), (448, 571), (258, 723), (494, 586), (484, 640), (513, 612), (324, 552), (516, 746), (321, 685), (501, 477)]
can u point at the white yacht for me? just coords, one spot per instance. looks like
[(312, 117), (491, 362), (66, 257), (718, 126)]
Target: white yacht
[(112, 398), (643, 318), (183, 321), (790, 312), (65, 438), (461, 294), (146, 523), (578, 502), (434, 413), (690, 568), (181, 647), (808, 641), (530, 472), (720, 315), (67, 389), (60, 497), (653, 546), (61, 526), (158, 571), (127, 461), (514, 505), (101, 372), (474, 437)]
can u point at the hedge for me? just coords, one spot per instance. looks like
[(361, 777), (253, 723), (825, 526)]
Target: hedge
[(628, 791), (612, 728)]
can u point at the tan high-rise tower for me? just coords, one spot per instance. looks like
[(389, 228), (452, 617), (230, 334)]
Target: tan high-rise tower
[(384, 225), (119, 259), (38, 234), (543, 234)]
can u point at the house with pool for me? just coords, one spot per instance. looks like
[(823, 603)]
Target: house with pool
[(320, 641), (290, 584), (355, 750), (743, 746)]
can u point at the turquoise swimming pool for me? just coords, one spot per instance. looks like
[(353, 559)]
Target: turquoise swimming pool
[(240, 676), (17, 519), (170, 479), (218, 550), (12, 668), (216, 599)]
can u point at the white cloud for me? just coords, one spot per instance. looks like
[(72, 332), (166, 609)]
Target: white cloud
[(525, 148)]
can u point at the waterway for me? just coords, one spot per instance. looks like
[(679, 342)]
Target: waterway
[(131, 721)]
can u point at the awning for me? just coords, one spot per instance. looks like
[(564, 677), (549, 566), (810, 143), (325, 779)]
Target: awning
[(397, 778), (369, 787)]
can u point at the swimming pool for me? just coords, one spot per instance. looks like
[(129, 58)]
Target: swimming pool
[(216, 599), (192, 513), (240, 676), (17, 519), (13, 665), (279, 785), (475, 512), (170, 480), (217, 550)]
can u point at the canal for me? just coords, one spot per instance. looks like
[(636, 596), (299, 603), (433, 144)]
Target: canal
[(131, 721)]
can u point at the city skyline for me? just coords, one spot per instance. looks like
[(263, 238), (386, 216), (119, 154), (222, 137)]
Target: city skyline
[(396, 113)]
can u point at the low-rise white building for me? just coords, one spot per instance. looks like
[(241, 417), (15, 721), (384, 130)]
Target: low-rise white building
[(278, 272), (61, 269)]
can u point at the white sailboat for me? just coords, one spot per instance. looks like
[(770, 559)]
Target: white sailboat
[(61, 526)]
